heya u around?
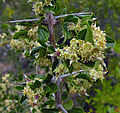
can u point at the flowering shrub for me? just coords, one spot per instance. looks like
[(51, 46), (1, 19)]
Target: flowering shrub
[(71, 65)]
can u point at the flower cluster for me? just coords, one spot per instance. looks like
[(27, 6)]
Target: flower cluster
[(3, 39), (33, 33), (18, 27), (79, 86), (97, 73), (84, 51), (61, 69), (44, 61), (38, 6), (35, 97), (18, 45), (77, 27), (99, 38), (2, 36)]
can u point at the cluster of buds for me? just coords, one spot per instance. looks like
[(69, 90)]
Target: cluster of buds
[(44, 61), (3, 39), (18, 27), (33, 33), (16, 44), (61, 69), (96, 73), (77, 27), (79, 49), (99, 38), (79, 86), (3, 35), (34, 96), (38, 6)]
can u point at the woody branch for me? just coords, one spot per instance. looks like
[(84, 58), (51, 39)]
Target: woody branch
[(56, 17)]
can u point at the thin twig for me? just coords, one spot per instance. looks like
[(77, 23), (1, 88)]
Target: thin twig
[(22, 83), (76, 14), (25, 20), (56, 17), (63, 76)]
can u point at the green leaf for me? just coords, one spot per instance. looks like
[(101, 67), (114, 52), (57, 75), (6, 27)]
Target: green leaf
[(110, 42), (22, 99), (46, 89), (67, 63), (83, 76), (89, 64), (34, 110), (19, 88), (63, 12), (96, 65), (76, 110), (49, 110), (71, 68), (37, 84), (53, 87), (66, 86), (43, 77), (49, 102), (56, 8), (85, 18), (20, 33), (54, 65), (64, 95), (48, 78), (39, 49), (68, 105), (81, 35), (32, 76), (71, 18), (48, 8), (43, 34), (66, 31), (89, 34), (35, 50), (1, 88), (42, 43), (51, 49)]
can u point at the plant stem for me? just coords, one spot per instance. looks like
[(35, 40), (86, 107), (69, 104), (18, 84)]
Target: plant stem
[(44, 21), (51, 22)]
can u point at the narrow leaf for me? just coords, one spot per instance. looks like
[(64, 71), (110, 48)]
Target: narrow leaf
[(110, 42), (49, 111), (71, 18), (89, 34), (20, 33), (81, 35), (53, 87), (68, 105), (83, 76), (76, 110), (54, 65)]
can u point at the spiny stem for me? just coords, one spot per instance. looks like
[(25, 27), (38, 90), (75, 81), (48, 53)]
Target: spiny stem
[(56, 17)]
